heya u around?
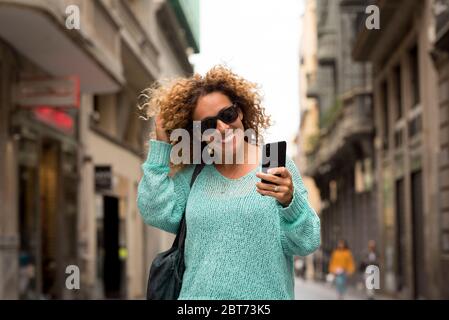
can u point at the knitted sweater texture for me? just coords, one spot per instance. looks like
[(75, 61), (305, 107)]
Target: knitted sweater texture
[(239, 244)]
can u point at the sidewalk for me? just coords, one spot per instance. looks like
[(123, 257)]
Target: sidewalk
[(313, 290)]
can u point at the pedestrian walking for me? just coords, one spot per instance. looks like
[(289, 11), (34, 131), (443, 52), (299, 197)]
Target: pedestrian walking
[(370, 258), (242, 234), (341, 266)]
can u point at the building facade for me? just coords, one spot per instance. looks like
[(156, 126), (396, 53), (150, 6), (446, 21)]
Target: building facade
[(410, 99), (340, 155), (309, 124), (69, 173), (441, 60)]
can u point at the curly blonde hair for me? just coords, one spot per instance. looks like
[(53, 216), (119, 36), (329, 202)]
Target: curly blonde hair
[(176, 99)]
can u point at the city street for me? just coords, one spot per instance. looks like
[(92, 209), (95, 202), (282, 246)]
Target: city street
[(318, 131), (312, 290)]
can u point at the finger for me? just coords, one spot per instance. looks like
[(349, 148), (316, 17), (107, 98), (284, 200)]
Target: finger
[(269, 193), (269, 177), (270, 187), (282, 171), (265, 186)]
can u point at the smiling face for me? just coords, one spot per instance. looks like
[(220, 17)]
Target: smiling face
[(209, 106)]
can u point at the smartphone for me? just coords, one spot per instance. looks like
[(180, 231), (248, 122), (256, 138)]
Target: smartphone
[(273, 156)]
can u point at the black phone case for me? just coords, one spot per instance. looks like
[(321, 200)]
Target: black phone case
[(273, 156)]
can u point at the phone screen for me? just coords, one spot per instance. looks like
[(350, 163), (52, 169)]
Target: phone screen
[(273, 156)]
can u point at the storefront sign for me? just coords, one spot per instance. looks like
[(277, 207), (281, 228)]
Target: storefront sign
[(56, 118), (103, 178), (63, 92)]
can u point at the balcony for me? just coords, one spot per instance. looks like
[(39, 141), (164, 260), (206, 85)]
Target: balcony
[(36, 29), (177, 31), (395, 20), (327, 12), (348, 123), (136, 38), (312, 87), (187, 13), (327, 47), (312, 91), (441, 10)]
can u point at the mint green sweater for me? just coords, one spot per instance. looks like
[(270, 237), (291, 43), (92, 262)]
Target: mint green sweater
[(239, 244)]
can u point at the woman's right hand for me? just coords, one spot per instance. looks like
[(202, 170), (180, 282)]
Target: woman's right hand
[(161, 134)]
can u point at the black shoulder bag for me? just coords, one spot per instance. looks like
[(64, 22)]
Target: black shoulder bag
[(167, 269)]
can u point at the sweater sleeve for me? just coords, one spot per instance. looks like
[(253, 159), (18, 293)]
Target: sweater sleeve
[(161, 199), (300, 225)]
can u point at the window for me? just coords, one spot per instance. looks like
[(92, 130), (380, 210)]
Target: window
[(95, 116), (398, 89), (385, 114), (414, 75), (398, 139), (415, 126)]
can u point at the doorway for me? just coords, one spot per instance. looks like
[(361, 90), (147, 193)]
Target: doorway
[(47, 205), (49, 186), (419, 274), (400, 233), (112, 265), (29, 224)]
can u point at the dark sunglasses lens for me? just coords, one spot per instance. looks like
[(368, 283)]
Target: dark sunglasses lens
[(208, 124), (229, 115)]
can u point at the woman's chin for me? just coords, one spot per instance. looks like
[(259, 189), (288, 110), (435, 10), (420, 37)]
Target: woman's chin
[(228, 150)]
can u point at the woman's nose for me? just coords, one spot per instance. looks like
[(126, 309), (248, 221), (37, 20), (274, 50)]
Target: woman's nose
[(221, 126)]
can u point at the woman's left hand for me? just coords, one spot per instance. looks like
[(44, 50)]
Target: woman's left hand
[(281, 190)]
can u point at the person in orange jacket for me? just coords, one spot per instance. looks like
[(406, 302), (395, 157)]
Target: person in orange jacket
[(342, 266)]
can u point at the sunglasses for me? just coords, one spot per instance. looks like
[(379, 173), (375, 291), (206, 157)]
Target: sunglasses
[(228, 115)]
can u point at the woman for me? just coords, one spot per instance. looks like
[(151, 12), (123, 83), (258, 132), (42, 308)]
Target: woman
[(341, 265), (241, 234)]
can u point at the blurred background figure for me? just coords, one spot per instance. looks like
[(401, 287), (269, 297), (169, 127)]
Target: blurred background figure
[(341, 266), (300, 267), (370, 257), (26, 276)]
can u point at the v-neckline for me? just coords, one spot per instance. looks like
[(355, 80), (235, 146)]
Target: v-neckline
[(235, 179)]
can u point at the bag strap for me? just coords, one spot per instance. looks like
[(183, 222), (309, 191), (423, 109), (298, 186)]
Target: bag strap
[(181, 234)]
